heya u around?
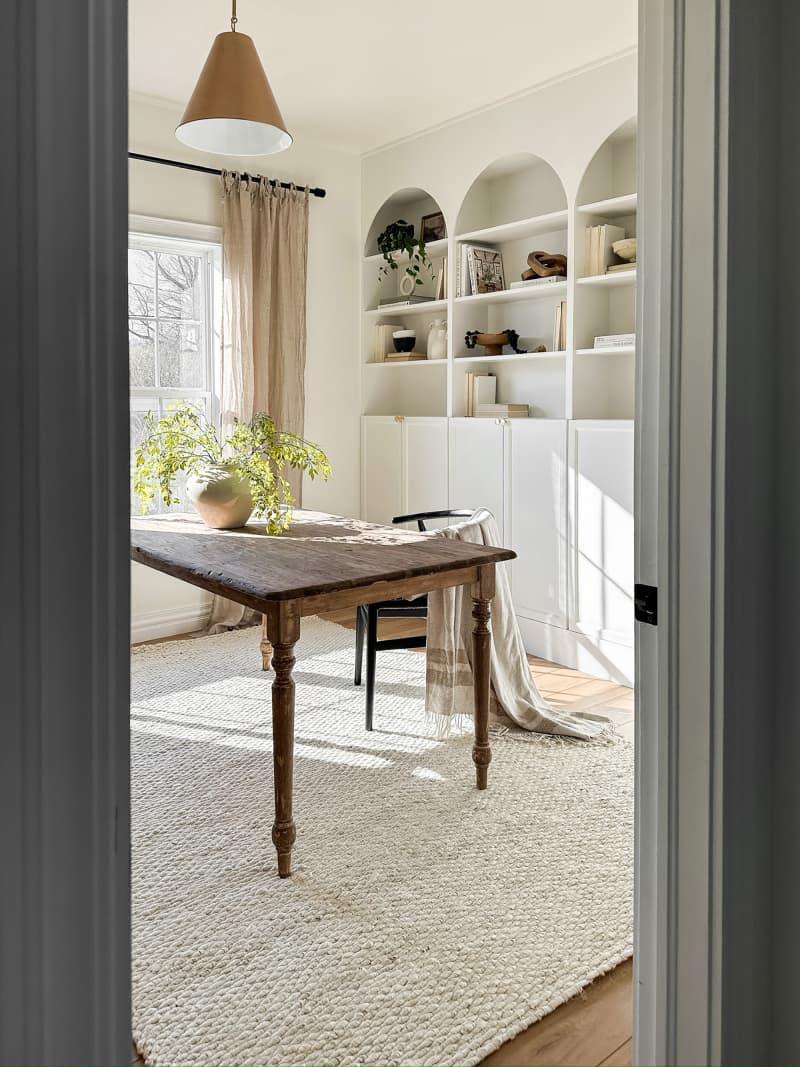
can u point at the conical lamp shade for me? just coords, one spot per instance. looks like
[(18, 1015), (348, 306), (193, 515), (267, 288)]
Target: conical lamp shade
[(232, 110)]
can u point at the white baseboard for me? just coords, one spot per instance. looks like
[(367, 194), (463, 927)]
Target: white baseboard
[(601, 659), (167, 622)]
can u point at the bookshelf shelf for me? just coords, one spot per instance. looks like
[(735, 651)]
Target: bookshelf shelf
[(612, 208), (613, 280), (524, 357), (507, 296), (433, 250), (617, 350), (514, 231), (426, 308)]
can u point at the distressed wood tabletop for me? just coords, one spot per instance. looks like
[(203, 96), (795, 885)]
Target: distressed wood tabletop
[(317, 556)]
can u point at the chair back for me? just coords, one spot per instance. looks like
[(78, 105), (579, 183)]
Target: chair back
[(421, 517)]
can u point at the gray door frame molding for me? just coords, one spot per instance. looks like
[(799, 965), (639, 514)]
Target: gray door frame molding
[(718, 525), (64, 572)]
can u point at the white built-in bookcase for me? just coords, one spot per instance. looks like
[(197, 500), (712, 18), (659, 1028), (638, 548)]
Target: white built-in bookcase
[(517, 204)]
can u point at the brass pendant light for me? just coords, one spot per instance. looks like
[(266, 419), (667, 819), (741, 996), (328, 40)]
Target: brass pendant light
[(232, 111)]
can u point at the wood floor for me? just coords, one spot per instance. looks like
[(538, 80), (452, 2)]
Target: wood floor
[(596, 1026)]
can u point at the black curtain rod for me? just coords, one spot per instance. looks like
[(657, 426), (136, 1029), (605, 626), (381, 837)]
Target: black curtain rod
[(211, 170)]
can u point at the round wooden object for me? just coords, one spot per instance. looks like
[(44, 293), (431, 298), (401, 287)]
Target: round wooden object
[(492, 342)]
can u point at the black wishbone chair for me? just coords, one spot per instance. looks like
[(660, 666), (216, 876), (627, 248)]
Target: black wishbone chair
[(367, 615)]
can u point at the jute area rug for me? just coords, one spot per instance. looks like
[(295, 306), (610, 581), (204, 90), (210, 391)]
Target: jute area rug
[(425, 923)]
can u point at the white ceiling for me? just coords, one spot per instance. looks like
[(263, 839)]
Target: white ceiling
[(363, 73)]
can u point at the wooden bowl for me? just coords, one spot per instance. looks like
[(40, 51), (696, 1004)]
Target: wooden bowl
[(493, 342), (625, 249)]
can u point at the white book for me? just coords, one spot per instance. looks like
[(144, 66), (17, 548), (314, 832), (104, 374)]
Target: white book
[(484, 390), (557, 328), (554, 279)]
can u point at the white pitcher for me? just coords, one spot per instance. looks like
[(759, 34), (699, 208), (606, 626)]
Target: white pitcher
[(437, 339)]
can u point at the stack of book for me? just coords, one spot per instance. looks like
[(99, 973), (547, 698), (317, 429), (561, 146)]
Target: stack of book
[(615, 340), (598, 253), (480, 388), (404, 357), (560, 328), (554, 279), (502, 411), (403, 301)]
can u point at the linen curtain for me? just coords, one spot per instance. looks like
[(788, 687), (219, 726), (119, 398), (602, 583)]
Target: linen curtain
[(264, 267)]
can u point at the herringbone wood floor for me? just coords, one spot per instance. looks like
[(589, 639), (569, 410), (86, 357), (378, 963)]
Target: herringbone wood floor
[(595, 1028)]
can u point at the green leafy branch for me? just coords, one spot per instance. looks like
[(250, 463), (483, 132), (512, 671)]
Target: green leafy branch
[(399, 237), (258, 451)]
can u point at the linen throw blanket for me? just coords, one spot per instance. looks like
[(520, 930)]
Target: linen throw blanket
[(449, 694)]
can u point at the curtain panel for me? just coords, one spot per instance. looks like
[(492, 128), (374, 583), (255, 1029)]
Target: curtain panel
[(265, 267)]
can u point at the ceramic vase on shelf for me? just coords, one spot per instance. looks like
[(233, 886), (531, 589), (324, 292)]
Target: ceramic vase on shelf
[(221, 498), (437, 339)]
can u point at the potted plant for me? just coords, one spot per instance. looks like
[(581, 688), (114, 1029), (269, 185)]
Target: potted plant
[(399, 237), (228, 480)]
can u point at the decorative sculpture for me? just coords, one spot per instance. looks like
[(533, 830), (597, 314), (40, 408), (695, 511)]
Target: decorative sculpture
[(545, 265)]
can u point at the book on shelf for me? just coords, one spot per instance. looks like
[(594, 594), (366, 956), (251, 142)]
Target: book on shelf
[(463, 275), (502, 411), (614, 268), (615, 340), (486, 270), (480, 387), (554, 279), (598, 253), (383, 341), (404, 357), (402, 301), (441, 280), (560, 327)]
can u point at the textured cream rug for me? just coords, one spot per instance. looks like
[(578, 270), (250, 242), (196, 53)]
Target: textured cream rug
[(425, 922)]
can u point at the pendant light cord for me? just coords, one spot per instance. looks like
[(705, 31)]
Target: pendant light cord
[(234, 19)]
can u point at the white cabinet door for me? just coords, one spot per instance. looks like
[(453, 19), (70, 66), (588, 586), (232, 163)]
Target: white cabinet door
[(537, 513), (601, 530), (381, 468), (477, 477), (425, 464)]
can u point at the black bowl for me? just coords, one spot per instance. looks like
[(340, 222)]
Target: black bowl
[(404, 344)]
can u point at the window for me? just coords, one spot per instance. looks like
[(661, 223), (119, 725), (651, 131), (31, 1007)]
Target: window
[(172, 340)]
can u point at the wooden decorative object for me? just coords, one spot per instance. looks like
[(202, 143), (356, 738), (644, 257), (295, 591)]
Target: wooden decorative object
[(545, 265), (494, 342)]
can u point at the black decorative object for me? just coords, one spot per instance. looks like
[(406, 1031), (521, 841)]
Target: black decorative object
[(493, 342)]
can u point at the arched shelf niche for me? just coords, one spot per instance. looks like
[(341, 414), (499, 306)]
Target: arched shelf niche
[(512, 189), (611, 173), (410, 204)]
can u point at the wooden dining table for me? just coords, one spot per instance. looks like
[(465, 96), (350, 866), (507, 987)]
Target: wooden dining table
[(322, 563)]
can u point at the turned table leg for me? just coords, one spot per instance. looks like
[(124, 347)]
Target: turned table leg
[(284, 630), (482, 593), (266, 647)]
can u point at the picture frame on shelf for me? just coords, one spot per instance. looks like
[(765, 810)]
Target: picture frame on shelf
[(432, 227), (486, 270)]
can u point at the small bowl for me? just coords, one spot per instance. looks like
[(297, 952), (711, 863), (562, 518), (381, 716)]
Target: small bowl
[(404, 340), (625, 249)]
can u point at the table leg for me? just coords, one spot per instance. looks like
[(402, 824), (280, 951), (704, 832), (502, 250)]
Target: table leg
[(283, 627), (266, 647), (482, 593)]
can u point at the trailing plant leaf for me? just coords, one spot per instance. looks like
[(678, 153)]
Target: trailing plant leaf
[(399, 237), (184, 442)]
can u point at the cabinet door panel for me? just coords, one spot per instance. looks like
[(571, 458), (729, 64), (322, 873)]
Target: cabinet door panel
[(538, 518), (476, 466), (601, 530), (381, 468), (425, 464)]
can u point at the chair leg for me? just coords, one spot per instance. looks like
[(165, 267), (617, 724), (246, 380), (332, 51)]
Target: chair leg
[(372, 640), (361, 626)]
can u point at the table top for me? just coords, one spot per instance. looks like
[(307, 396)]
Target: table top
[(318, 554)]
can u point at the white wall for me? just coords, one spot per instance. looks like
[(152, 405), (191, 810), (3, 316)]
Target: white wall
[(564, 123), (161, 605)]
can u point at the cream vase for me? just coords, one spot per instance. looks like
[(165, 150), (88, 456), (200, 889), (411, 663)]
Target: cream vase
[(221, 497)]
